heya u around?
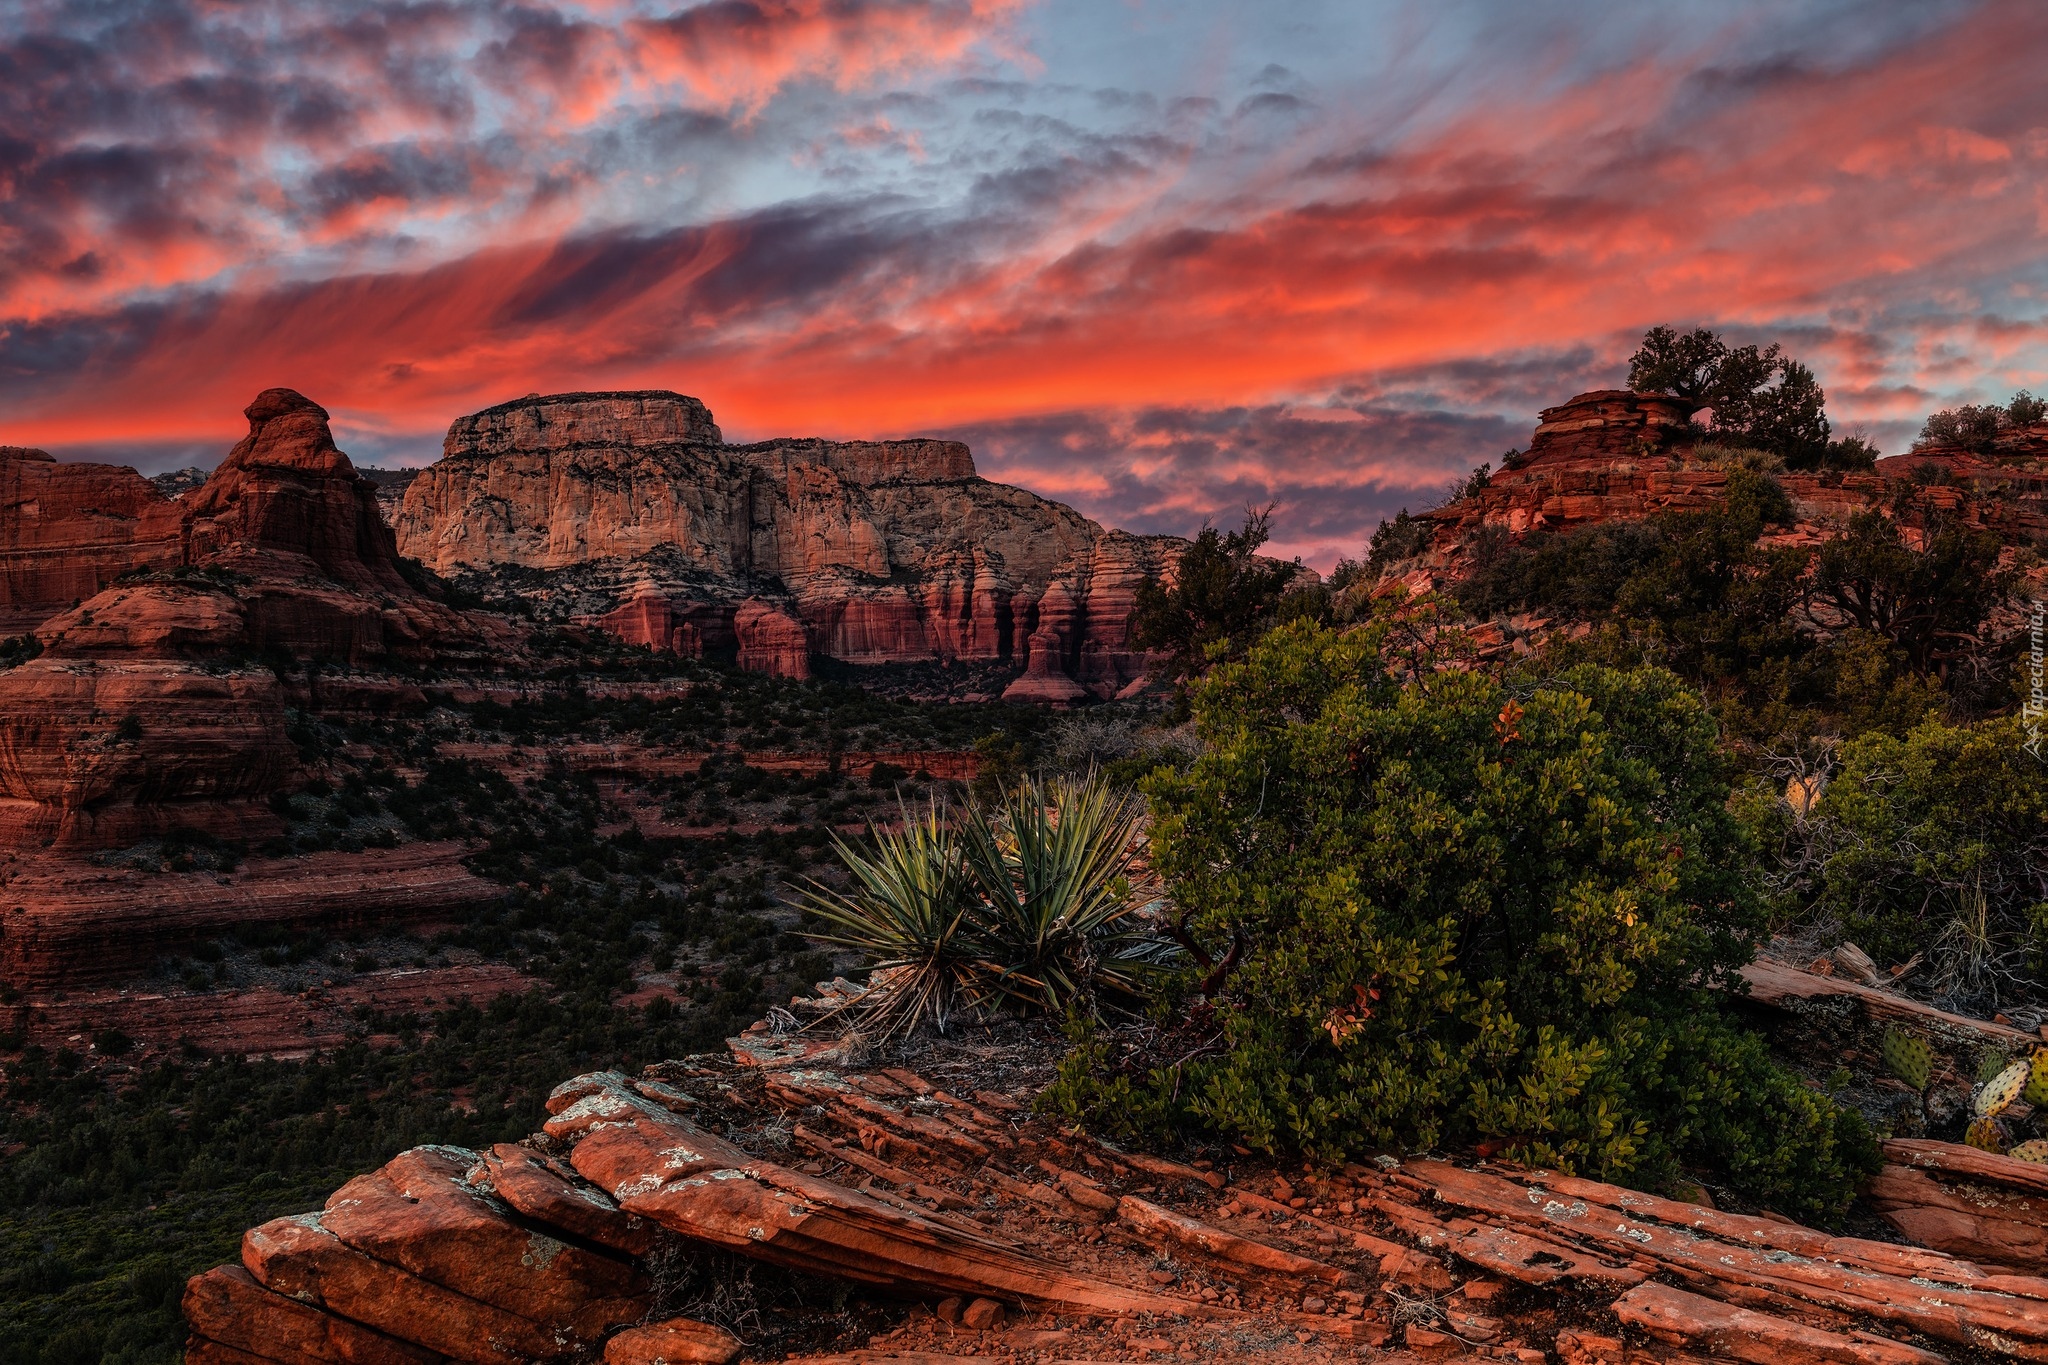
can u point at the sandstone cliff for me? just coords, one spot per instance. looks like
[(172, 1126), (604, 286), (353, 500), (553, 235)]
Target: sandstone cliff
[(145, 709), (867, 552)]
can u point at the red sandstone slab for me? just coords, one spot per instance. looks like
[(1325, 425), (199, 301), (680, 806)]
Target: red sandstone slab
[(227, 1306), (298, 1257), (1677, 1318), (544, 1192), (419, 1213)]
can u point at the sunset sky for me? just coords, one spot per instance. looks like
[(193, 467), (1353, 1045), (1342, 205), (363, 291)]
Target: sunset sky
[(1156, 260)]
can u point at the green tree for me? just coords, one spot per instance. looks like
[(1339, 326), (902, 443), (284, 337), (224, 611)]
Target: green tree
[(1687, 365), (1760, 396), (1450, 911), (1934, 842), (1720, 602), (1933, 603), (1974, 428), (1223, 594)]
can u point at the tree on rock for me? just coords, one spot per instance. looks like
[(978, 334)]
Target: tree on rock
[(1758, 396), (1455, 907)]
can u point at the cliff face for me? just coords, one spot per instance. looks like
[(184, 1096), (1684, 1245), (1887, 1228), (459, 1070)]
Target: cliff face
[(143, 711), (67, 530), (866, 552)]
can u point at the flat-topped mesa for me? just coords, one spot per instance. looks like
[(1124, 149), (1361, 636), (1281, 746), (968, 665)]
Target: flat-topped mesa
[(564, 421), (865, 552), (866, 462)]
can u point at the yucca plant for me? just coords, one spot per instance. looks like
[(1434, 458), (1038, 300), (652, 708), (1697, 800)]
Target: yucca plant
[(1055, 868), (1032, 900), (907, 911)]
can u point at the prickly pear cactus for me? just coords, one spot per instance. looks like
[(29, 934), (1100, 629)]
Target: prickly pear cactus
[(2036, 1092), (1989, 1063), (1985, 1134), (1996, 1095), (1909, 1058), (2035, 1151)]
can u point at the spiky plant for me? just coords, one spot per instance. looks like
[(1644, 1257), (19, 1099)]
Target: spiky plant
[(907, 910), (1031, 900), (1055, 867)]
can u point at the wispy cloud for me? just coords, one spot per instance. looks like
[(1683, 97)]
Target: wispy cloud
[(1212, 282)]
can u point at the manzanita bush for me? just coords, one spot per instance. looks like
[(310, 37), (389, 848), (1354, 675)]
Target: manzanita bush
[(1439, 906)]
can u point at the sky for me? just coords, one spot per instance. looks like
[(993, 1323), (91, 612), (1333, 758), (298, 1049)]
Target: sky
[(1159, 261)]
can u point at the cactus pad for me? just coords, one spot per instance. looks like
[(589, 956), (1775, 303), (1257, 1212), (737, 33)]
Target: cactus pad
[(2036, 1092), (1996, 1095), (1990, 1062), (2036, 1151), (1907, 1057), (1985, 1135)]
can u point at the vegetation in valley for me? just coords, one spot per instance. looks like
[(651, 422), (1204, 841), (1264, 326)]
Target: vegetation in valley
[(126, 1170)]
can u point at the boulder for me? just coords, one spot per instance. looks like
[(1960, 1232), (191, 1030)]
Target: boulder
[(419, 1212), (678, 1341)]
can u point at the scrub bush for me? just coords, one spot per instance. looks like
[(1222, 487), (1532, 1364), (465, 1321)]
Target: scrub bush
[(1430, 910)]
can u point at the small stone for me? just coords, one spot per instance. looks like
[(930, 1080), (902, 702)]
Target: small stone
[(983, 1315), (949, 1310), (1422, 1339), (679, 1341), (1313, 1305), (1480, 1291), (1160, 1276)]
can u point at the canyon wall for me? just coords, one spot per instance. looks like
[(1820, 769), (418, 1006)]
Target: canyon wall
[(633, 509)]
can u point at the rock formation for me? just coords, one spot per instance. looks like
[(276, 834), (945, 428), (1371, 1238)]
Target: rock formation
[(1011, 1238), (68, 530), (1616, 455), (865, 552), (144, 710)]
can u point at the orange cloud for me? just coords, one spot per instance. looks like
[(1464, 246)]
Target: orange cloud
[(1883, 218)]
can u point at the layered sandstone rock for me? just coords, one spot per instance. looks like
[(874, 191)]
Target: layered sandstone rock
[(143, 712), (1973, 1203), (66, 922), (68, 530), (878, 552), (1616, 455), (1013, 1239)]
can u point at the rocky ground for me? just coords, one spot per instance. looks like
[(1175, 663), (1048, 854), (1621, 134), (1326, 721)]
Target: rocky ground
[(797, 1198)]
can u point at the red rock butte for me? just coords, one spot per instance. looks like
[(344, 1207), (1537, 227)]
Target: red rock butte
[(865, 552), (144, 710)]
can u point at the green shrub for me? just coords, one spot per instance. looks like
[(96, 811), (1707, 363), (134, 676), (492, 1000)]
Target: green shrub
[(1932, 841), (1460, 914)]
